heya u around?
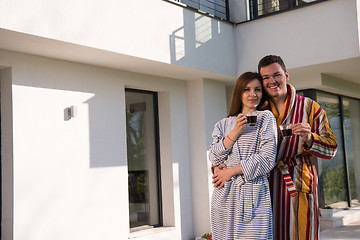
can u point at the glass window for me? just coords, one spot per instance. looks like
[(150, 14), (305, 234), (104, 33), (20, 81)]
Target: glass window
[(270, 6), (143, 158), (352, 142), (266, 7), (332, 172)]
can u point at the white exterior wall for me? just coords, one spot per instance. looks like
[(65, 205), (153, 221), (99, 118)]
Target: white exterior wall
[(70, 176), (320, 33), (207, 105), (151, 29), (67, 178)]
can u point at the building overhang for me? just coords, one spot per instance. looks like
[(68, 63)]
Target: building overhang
[(340, 77), (51, 48)]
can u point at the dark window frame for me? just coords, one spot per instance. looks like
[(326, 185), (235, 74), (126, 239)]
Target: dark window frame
[(253, 7), (292, 6), (1, 199)]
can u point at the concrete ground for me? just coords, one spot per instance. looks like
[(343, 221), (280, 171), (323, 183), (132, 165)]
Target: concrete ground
[(345, 223), (350, 231)]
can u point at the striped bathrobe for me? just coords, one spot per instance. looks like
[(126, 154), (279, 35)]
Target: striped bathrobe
[(294, 180), (242, 208)]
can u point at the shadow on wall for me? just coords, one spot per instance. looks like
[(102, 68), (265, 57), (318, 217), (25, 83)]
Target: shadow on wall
[(106, 147), (62, 149), (202, 43), (103, 129), (98, 130)]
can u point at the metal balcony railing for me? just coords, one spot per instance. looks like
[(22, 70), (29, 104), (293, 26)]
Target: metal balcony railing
[(215, 8)]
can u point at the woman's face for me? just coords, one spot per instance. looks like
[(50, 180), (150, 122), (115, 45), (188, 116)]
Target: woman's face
[(251, 95)]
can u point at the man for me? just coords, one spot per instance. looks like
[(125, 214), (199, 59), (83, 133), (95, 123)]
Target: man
[(294, 180)]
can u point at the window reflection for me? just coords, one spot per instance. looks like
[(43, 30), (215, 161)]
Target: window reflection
[(143, 182), (352, 141), (332, 172), (265, 7), (270, 6)]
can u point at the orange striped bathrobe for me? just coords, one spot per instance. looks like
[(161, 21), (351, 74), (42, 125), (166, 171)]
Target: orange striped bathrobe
[(294, 180)]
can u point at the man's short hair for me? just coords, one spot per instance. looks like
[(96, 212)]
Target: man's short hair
[(270, 59)]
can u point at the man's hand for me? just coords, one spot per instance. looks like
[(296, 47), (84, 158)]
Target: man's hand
[(303, 130), (221, 166)]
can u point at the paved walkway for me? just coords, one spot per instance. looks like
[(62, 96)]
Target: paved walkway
[(348, 232)]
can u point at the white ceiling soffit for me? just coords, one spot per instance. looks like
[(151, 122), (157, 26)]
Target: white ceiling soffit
[(30, 44)]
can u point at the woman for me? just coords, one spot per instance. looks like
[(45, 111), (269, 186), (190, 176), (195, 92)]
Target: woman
[(242, 156)]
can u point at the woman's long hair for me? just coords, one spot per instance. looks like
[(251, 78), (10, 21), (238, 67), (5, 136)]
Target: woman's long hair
[(236, 104)]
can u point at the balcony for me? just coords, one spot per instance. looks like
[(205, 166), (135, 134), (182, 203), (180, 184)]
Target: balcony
[(238, 11), (214, 8)]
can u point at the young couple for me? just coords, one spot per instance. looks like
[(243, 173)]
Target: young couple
[(265, 184)]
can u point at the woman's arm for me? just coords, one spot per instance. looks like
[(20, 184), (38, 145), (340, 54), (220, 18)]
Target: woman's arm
[(257, 164), (263, 161), (233, 135), (222, 144)]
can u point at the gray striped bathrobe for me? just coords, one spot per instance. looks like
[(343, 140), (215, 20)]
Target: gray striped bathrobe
[(242, 208)]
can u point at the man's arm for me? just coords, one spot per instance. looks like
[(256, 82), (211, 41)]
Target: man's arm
[(324, 144)]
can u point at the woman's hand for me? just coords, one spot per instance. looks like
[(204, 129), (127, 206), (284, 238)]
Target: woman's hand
[(240, 123)]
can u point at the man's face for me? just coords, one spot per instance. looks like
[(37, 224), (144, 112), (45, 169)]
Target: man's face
[(274, 79)]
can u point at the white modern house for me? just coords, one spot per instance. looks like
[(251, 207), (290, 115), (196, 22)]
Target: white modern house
[(107, 108)]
